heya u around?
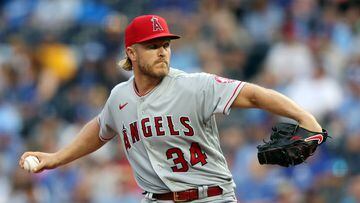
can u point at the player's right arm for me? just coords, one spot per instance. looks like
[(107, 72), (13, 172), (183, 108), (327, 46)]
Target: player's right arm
[(86, 141)]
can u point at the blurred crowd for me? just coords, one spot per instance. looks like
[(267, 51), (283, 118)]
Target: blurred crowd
[(58, 65)]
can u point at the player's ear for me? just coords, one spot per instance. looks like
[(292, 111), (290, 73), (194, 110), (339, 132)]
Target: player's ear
[(131, 52)]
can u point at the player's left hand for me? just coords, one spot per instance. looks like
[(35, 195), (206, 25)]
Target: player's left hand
[(310, 124), (290, 145)]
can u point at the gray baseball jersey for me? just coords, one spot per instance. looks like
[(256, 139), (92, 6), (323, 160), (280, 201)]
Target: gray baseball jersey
[(169, 135)]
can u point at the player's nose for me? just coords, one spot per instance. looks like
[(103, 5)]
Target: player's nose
[(161, 52)]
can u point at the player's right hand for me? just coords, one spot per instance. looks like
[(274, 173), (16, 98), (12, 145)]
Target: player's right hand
[(47, 161)]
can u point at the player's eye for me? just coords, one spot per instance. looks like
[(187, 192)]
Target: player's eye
[(166, 45), (152, 46)]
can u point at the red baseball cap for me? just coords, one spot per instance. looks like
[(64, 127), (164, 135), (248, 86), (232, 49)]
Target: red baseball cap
[(147, 27)]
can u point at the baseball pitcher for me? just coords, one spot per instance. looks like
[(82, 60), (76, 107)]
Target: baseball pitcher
[(166, 121)]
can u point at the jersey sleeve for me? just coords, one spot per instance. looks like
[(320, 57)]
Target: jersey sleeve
[(218, 93), (106, 122)]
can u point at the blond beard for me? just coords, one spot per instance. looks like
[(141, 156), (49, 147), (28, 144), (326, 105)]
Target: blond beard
[(150, 71)]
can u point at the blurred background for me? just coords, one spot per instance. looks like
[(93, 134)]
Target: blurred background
[(58, 65)]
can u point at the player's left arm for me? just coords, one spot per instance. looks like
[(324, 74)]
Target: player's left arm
[(254, 96)]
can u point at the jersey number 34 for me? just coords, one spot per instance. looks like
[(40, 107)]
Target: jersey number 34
[(181, 165)]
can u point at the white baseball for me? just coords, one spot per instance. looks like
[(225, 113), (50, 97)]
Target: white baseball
[(30, 163)]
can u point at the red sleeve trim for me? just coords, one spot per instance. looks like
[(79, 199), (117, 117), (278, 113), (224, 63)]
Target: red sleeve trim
[(226, 106), (102, 138), (105, 139)]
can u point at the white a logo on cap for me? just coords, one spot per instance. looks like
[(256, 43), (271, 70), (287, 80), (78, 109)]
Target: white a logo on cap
[(156, 24)]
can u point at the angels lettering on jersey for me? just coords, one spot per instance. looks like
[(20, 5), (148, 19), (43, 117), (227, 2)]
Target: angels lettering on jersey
[(163, 125)]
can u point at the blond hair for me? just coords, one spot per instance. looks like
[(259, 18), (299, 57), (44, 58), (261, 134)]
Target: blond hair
[(125, 64)]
